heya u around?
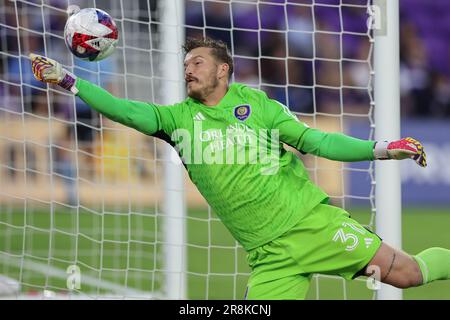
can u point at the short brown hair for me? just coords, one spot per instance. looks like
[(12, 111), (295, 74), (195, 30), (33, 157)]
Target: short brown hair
[(219, 50)]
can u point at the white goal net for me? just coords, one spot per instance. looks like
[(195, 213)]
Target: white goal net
[(87, 205)]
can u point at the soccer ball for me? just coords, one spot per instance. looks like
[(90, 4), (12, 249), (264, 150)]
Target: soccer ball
[(91, 34)]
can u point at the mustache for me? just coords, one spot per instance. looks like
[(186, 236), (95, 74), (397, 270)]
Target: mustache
[(190, 78)]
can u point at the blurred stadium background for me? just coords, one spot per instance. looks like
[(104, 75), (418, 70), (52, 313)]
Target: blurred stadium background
[(77, 189)]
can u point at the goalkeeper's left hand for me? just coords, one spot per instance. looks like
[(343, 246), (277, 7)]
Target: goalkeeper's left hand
[(401, 149)]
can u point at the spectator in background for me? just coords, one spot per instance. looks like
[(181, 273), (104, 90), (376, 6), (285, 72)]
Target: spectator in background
[(300, 32), (88, 121), (64, 164), (414, 73), (247, 71), (440, 92)]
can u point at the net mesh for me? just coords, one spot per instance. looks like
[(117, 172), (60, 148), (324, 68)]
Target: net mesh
[(79, 191)]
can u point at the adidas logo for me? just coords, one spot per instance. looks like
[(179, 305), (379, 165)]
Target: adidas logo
[(199, 117), (368, 241)]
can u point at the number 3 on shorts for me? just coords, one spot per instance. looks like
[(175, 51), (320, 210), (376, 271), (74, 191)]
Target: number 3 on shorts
[(344, 237)]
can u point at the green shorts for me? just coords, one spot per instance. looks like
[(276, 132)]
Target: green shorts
[(327, 241)]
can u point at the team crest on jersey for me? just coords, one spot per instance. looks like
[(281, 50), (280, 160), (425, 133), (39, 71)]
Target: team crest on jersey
[(242, 112)]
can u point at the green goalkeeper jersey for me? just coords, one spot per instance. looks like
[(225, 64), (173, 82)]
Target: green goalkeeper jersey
[(233, 153)]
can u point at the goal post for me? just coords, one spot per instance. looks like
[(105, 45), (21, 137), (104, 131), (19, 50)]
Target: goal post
[(172, 39), (387, 124)]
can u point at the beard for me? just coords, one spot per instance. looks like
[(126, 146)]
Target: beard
[(202, 91)]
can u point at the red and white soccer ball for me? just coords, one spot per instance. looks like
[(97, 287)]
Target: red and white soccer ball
[(91, 34)]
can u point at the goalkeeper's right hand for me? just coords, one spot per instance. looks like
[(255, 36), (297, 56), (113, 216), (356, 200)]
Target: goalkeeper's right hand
[(48, 70)]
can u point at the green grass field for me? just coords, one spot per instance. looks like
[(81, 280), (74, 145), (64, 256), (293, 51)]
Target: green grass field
[(125, 250)]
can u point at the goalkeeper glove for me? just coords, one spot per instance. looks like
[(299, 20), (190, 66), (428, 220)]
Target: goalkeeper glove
[(401, 149), (48, 70)]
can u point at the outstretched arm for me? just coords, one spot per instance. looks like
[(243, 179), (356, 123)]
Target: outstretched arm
[(135, 114), (338, 146), (144, 117)]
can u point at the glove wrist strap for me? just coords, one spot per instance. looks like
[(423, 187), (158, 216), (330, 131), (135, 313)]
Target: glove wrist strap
[(68, 82), (380, 151)]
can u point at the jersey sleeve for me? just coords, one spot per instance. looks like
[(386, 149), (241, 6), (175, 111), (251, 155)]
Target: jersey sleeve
[(333, 146), (145, 117), (279, 117), (337, 146)]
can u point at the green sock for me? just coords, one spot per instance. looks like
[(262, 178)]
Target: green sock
[(434, 264)]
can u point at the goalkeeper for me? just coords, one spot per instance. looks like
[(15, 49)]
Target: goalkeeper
[(278, 215)]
